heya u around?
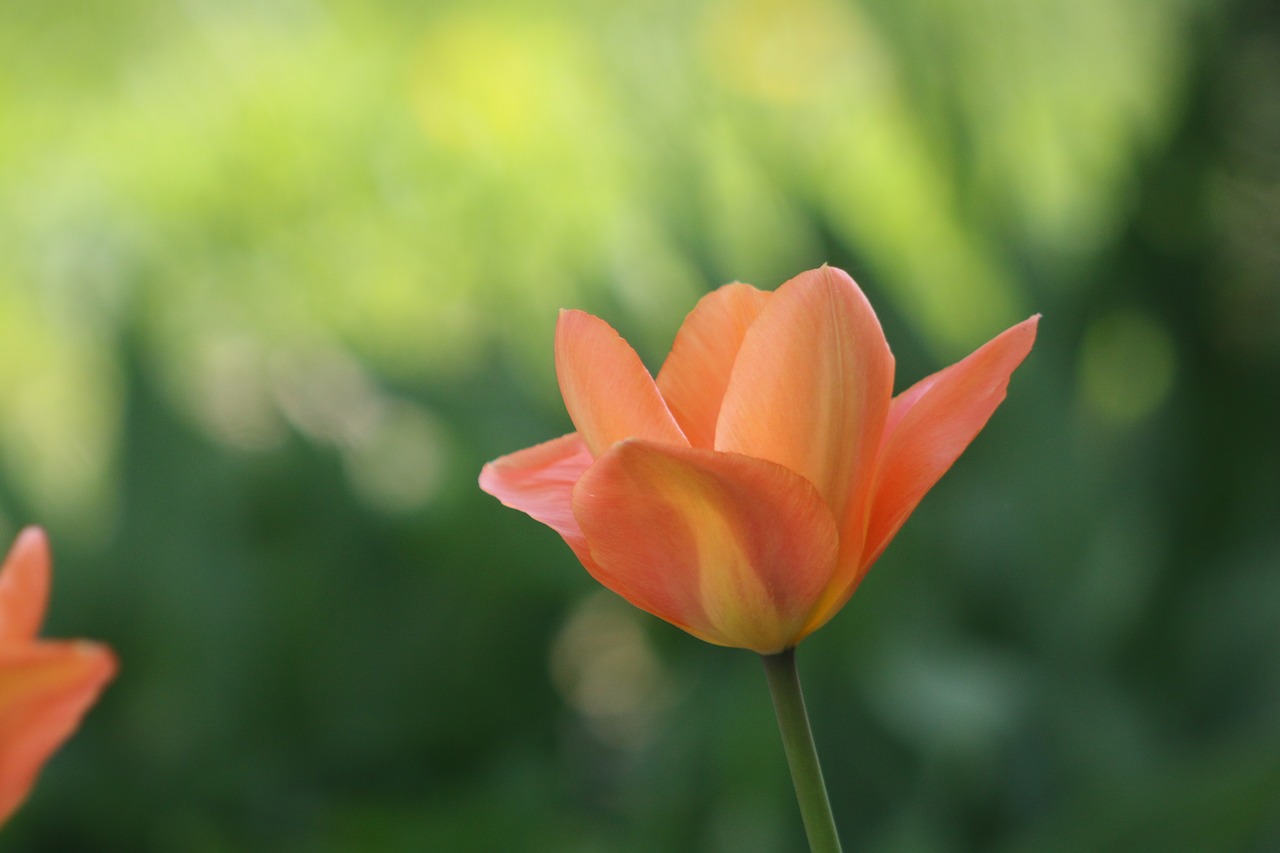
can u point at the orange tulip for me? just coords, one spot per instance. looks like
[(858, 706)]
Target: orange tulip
[(45, 686), (744, 493)]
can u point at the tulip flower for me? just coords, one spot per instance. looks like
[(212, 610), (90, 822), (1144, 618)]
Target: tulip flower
[(45, 686), (744, 493)]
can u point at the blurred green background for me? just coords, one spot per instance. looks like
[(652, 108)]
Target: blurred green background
[(276, 278)]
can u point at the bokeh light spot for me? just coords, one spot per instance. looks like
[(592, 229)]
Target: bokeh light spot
[(607, 671), (1127, 366)]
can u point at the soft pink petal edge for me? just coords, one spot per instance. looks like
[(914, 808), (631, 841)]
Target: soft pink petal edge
[(539, 482)]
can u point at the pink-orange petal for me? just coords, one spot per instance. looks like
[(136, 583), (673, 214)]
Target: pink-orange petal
[(45, 688), (695, 375), (609, 394), (732, 549), (931, 424), (24, 586), (539, 482), (811, 387)]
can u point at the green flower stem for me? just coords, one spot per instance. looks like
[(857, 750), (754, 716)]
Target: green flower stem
[(802, 756)]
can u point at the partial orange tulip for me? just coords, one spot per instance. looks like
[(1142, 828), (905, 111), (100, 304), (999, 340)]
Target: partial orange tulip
[(744, 493), (45, 686)]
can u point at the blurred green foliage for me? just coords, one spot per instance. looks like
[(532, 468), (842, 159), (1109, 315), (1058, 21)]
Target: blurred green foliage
[(277, 278)]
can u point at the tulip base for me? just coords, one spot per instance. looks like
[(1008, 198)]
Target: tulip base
[(802, 755)]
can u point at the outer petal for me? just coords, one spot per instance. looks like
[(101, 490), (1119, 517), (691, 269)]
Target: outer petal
[(539, 481), (930, 425), (45, 688), (609, 394), (24, 586), (810, 390), (696, 373), (732, 549)]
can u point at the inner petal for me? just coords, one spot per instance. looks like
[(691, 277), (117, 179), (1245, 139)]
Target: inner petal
[(695, 375), (609, 394)]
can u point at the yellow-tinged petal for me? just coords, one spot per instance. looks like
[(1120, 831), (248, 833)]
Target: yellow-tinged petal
[(930, 425), (743, 494), (810, 389), (609, 394), (45, 688), (695, 375), (24, 586), (539, 481), (734, 550)]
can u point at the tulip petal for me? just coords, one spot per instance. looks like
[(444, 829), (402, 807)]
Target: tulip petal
[(24, 586), (45, 688), (811, 388), (609, 394), (539, 481), (930, 425), (695, 375), (734, 550)]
